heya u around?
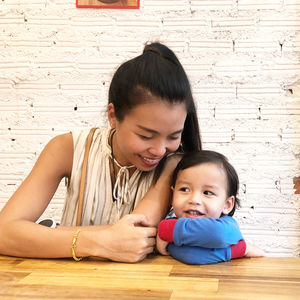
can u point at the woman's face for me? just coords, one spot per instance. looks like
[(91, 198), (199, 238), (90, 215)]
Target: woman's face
[(147, 133)]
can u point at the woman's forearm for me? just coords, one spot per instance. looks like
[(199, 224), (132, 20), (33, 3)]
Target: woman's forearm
[(27, 239), (129, 240)]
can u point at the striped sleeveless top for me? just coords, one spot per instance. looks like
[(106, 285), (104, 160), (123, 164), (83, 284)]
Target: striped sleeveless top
[(98, 206)]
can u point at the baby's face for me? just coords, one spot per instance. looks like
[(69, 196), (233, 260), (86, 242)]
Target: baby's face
[(201, 192)]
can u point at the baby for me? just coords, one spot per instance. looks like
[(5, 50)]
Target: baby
[(205, 187)]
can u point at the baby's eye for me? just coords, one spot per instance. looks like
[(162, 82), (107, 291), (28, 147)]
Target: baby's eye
[(208, 193), (184, 189)]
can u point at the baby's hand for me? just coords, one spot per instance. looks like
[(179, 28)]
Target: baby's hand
[(253, 251), (161, 246)]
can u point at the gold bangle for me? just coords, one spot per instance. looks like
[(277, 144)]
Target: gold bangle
[(75, 236)]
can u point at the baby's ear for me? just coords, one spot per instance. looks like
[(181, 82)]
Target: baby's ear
[(228, 205)]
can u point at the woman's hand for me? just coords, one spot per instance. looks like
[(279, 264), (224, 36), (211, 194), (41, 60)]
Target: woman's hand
[(129, 240), (161, 246)]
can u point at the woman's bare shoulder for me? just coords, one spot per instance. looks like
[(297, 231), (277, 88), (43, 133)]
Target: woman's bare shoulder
[(60, 149), (36, 191), (62, 142)]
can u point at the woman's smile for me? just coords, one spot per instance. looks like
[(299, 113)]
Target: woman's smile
[(150, 161)]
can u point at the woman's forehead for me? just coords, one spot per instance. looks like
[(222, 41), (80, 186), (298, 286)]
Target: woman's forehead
[(157, 116)]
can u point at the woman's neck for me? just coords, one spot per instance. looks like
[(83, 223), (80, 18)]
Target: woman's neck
[(116, 158)]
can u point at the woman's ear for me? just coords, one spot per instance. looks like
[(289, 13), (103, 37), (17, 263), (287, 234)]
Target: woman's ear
[(228, 206), (111, 115)]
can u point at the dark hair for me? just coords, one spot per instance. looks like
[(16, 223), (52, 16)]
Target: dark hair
[(159, 72), (205, 156)]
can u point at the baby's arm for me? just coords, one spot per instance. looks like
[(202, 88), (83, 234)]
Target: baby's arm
[(253, 251), (202, 256), (197, 254), (161, 246), (201, 232)]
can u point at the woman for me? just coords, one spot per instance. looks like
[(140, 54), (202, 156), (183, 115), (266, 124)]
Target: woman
[(151, 114)]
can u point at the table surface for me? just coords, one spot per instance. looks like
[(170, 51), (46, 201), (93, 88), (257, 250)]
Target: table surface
[(157, 277)]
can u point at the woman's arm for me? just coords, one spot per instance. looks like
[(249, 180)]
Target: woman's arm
[(156, 202), (20, 236), (201, 232)]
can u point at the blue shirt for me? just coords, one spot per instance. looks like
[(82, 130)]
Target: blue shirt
[(204, 240)]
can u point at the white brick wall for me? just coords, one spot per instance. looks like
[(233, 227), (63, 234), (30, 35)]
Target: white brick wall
[(242, 57)]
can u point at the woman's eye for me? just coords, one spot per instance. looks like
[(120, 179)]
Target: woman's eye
[(143, 137), (174, 138)]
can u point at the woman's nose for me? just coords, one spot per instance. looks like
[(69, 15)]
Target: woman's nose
[(158, 149)]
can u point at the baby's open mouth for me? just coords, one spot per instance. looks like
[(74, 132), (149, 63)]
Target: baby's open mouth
[(193, 213)]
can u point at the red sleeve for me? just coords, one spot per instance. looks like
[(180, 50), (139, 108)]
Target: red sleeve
[(238, 250), (166, 228)]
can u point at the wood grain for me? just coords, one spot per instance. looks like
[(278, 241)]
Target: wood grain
[(157, 277)]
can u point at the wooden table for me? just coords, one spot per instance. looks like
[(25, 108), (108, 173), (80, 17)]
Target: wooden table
[(156, 277)]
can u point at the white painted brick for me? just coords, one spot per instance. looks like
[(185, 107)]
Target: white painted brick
[(142, 24), (257, 136), (291, 136), (291, 4), (292, 46), (92, 23), (195, 72), (271, 112), (215, 91), (14, 20), (257, 5), (259, 45), (196, 46), (280, 22), (183, 24), (177, 43), (54, 21), (236, 112), (211, 136), (205, 112), (232, 23), (27, 3), (287, 68), (213, 5), (165, 5), (40, 86), (258, 91)]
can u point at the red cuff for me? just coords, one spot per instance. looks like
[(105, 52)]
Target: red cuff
[(166, 228), (238, 250)]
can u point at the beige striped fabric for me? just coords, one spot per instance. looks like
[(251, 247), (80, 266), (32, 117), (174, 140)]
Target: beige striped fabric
[(98, 207)]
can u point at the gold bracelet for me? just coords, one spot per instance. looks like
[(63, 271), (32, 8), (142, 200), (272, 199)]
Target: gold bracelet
[(75, 236)]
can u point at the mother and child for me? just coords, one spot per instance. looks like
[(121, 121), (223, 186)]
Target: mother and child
[(152, 117)]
